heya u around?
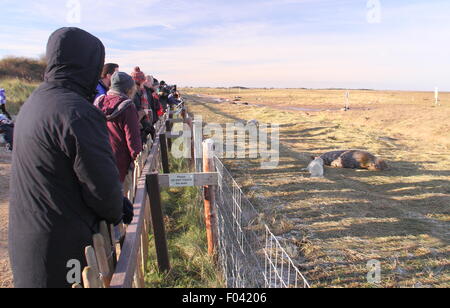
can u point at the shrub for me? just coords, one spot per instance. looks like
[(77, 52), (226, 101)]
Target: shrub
[(31, 70)]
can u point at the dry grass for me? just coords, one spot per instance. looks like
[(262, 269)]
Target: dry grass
[(17, 92), (400, 217)]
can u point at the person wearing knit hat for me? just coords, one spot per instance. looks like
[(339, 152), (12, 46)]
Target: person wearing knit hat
[(122, 121), (122, 83), (138, 76), (143, 100), (151, 87)]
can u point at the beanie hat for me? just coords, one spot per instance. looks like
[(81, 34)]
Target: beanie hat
[(121, 82), (137, 75)]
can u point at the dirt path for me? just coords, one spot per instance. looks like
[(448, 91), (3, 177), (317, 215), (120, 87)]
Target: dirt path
[(5, 167)]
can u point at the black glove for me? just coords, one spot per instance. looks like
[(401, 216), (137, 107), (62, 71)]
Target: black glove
[(128, 211)]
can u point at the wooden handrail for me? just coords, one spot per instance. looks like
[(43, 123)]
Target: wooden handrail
[(127, 270), (130, 269)]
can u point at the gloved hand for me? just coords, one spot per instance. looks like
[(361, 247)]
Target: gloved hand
[(128, 212)]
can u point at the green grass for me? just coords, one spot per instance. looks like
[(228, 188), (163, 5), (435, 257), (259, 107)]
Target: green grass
[(191, 266), (17, 92)]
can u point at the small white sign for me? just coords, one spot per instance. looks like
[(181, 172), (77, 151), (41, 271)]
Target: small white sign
[(181, 180)]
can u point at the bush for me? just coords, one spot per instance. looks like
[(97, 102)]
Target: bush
[(31, 70)]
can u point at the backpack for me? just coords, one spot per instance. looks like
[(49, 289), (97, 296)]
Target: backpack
[(118, 109)]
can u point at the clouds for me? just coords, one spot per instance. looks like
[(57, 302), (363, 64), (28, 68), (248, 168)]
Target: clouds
[(272, 43)]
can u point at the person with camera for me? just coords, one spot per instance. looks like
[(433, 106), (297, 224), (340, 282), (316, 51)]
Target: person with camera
[(164, 92)]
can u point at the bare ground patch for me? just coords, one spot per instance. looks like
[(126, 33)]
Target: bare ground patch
[(5, 168)]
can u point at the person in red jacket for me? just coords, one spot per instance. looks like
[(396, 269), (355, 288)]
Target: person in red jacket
[(122, 121)]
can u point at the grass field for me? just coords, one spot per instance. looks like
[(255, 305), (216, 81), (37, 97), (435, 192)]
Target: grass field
[(400, 217), (17, 92)]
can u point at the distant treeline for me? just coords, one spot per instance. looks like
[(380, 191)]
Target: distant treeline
[(31, 70)]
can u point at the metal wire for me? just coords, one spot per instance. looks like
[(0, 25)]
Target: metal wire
[(250, 255)]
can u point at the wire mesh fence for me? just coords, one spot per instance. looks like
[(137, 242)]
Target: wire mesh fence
[(250, 255)]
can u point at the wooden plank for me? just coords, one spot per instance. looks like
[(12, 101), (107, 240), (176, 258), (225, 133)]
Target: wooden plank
[(159, 232), (145, 240), (137, 231), (126, 266), (91, 259), (191, 128), (104, 231), (164, 153), (176, 112), (210, 197), (198, 139), (102, 259), (169, 126), (120, 233), (172, 121), (174, 136), (90, 279), (200, 179)]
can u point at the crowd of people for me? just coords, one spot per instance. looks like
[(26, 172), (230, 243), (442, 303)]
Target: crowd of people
[(6, 124), (132, 105), (75, 140)]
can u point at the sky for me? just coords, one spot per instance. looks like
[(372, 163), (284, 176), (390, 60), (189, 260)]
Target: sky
[(370, 44)]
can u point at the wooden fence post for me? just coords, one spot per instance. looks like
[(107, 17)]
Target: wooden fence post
[(191, 128), (164, 153), (198, 139), (210, 197), (184, 113), (154, 194), (169, 130)]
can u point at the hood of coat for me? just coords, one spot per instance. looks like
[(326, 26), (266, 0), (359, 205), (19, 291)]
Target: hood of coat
[(113, 105), (75, 59)]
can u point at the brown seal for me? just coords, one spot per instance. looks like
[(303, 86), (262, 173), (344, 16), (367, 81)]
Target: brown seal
[(356, 159), (330, 157)]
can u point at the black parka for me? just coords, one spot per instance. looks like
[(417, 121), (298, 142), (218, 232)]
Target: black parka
[(64, 178)]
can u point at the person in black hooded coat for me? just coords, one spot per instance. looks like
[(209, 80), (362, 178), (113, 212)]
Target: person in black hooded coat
[(64, 178)]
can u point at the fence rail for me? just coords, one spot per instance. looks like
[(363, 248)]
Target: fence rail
[(131, 266), (249, 254)]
